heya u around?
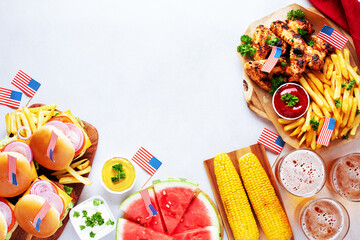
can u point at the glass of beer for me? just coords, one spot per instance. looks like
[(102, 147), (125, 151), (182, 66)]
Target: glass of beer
[(301, 172), (324, 218), (344, 176)]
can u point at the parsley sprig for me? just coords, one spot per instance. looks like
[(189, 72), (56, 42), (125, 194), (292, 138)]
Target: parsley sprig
[(337, 103), (349, 85), (120, 173), (295, 14), (272, 40), (289, 99), (276, 82), (246, 48), (314, 124)]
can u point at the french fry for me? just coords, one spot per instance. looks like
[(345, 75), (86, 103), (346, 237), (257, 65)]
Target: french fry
[(284, 121), (346, 55), (345, 101), (321, 123), (332, 105), (85, 181), (345, 118), (307, 126), (352, 113), (353, 73), (313, 141), (74, 165), (320, 95), (83, 165), (316, 109), (8, 123), (316, 81), (313, 95), (330, 70), (344, 131), (326, 65), (302, 140), (51, 113), (336, 62), (40, 118), (333, 81), (44, 108), (309, 136), (355, 125), (296, 131), (13, 123), (342, 63), (357, 95), (321, 77), (29, 119), (338, 87), (82, 172), (294, 124), (71, 180)]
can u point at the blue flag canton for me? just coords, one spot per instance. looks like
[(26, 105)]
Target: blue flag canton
[(327, 30), (279, 141), (153, 210), (37, 227), (155, 163), (14, 181), (278, 52), (34, 85), (16, 96), (331, 125)]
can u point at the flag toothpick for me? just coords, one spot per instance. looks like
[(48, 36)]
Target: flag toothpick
[(271, 141)]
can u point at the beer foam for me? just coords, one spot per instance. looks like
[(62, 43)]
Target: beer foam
[(302, 173)]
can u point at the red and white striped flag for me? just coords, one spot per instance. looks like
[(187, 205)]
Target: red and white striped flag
[(10, 98), (25, 83), (326, 131), (146, 161), (271, 141), (333, 37), (272, 59)]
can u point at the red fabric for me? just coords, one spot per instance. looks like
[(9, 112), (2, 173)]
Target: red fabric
[(346, 13)]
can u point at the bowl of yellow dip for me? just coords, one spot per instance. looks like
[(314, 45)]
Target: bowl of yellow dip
[(118, 175)]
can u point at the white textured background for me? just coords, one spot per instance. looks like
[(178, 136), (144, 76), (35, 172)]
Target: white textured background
[(158, 74)]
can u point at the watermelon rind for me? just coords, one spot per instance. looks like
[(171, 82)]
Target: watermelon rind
[(212, 211), (119, 228), (181, 182)]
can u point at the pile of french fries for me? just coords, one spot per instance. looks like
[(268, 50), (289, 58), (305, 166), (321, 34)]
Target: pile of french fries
[(30, 118), (332, 95), (70, 175)]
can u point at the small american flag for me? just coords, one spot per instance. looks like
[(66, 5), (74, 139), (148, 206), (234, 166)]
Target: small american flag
[(333, 37), (12, 170), (25, 83), (40, 215), (272, 60), (10, 98), (146, 161), (326, 131), (271, 141), (149, 206)]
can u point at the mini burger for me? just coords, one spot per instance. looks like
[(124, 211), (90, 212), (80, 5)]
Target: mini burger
[(42, 192), (8, 223), (16, 173), (59, 141)]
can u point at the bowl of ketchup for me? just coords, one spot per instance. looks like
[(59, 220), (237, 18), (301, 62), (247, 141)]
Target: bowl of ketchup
[(290, 101)]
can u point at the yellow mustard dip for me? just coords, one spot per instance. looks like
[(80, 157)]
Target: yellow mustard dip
[(123, 184)]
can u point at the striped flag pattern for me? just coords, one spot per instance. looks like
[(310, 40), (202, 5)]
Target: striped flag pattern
[(10, 98), (25, 83), (40, 215), (326, 131), (272, 59), (12, 170), (271, 141), (333, 37), (146, 161), (146, 198)]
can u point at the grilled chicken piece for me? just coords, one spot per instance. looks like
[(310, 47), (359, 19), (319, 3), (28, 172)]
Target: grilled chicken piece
[(300, 23), (261, 36), (298, 60), (322, 46), (282, 30), (263, 79), (315, 58)]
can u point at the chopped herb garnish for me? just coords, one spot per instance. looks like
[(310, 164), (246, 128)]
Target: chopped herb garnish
[(68, 190), (97, 202), (92, 235), (289, 99), (117, 167), (36, 165), (82, 227), (84, 212), (295, 14), (115, 179), (298, 55), (357, 112), (273, 40), (76, 214), (246, 38), (120, 173), (276, 82), (350, 85), (246, 49), (282, 64), (311, 43), (314, 124), (314, 57), (95, 219), (302, 32), (337, 103), (109, 222), (345, 137)]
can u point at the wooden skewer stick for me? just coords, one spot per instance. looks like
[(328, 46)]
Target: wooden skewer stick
[(146, 181), (28, 102)]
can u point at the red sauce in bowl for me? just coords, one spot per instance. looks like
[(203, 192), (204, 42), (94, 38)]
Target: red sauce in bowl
[(300, 107)]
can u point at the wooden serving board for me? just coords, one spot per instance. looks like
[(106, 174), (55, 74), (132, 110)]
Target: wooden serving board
[(92, 132), (259, 151)]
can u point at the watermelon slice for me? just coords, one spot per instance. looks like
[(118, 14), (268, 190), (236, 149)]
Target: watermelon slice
[(200, 213), (207, 233), (135, 210), (127, 230), (173, 197)]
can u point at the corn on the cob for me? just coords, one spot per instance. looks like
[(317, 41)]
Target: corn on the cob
[(235, 201), (267, 207)]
